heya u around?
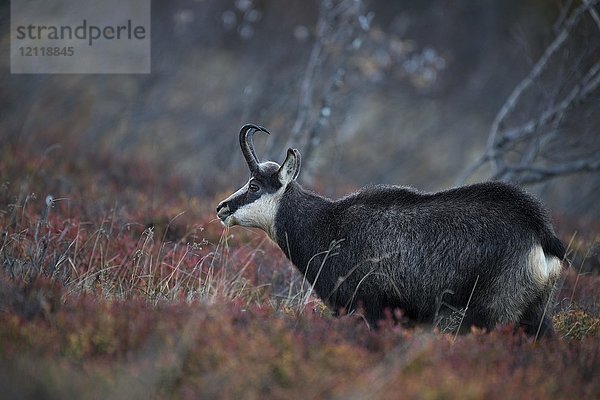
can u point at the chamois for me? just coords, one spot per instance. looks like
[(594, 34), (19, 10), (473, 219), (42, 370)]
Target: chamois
[(485, 252)]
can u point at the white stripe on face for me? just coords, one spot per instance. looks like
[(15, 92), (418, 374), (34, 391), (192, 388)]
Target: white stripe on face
[(258, 214)]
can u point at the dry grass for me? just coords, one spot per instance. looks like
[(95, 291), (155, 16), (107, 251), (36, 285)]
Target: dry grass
[(107, 293)]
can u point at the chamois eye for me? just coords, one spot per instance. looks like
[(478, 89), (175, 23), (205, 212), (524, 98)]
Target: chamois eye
[(253, 187)]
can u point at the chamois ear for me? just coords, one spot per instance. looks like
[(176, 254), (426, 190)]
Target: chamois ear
[(290, 168)]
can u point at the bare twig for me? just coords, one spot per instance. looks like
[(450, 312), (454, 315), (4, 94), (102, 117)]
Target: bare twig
[(502, 141), (562, 16), (307, 85), (580, 91), (593, 13), (536, 71), (533, 174), (338, 28)]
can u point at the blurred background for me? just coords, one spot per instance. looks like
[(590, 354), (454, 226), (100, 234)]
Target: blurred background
[(427, 94)]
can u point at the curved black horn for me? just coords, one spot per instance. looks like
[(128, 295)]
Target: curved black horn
[(246, 144)]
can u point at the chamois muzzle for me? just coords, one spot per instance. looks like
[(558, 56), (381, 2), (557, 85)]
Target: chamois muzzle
[(223, 211)]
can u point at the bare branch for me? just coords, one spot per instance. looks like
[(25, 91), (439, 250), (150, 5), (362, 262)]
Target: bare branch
[(307, 85), (588, 84), (526, 141), (594, 14), (340, 30), (564, 12), (534, 74), (534, 174)]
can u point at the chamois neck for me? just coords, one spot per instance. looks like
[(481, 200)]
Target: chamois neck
[(303, 224)]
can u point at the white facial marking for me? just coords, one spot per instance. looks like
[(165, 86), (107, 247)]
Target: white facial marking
[(229, 221), (258, 214), (543, 268)]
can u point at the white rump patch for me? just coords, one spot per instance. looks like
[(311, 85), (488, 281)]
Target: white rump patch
[(544, 268)]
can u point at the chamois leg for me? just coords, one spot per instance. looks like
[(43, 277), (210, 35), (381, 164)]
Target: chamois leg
[(534, 319)]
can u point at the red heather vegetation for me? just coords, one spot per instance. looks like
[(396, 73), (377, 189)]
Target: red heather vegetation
[(122, 285)]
